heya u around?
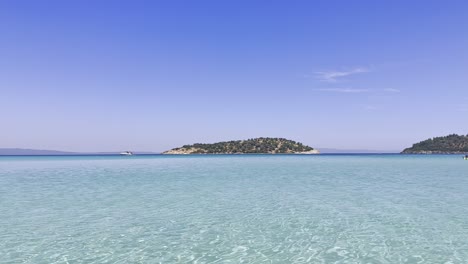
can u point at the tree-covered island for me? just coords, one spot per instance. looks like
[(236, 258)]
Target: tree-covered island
[(250, 146), (451, 144)]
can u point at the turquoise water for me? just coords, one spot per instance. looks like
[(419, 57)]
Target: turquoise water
[(234, 209)]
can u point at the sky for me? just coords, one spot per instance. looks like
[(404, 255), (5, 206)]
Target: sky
[(154, 75)]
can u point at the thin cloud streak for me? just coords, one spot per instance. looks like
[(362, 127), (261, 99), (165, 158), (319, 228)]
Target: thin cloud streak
[(334, 76), (391, 90), (370, 107), (463, 108), (343, 90)]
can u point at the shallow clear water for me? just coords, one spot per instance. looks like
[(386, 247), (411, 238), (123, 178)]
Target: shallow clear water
[(234, 209)]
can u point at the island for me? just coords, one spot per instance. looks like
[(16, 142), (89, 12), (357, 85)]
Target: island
[(261, 145), (451, 144)]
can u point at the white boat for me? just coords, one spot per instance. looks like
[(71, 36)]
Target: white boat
[(126, 153)]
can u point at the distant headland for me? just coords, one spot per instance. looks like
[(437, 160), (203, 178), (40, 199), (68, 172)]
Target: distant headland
[(261, 145), (451, 144), (41, 152)]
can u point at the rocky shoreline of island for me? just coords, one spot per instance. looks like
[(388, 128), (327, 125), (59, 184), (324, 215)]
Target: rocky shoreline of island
[(435, 152)]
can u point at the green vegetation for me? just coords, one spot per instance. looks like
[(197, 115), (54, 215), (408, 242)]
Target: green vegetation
[(256, 145), (449, 144)]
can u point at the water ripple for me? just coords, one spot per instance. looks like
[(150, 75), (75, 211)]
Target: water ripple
[(257, 209)]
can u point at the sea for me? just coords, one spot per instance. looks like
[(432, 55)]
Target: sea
[(234, 209)]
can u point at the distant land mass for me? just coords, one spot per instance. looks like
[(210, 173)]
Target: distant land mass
[(19, 152), (451, 144), (40, 152), (250, 146), (355, 151)]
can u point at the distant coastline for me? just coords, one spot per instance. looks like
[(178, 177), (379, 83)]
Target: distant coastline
[(41, 152), (33, 152), (356, 151), (451, 144)]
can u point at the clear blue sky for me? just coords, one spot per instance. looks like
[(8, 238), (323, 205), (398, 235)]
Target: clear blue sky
[(152, 75)]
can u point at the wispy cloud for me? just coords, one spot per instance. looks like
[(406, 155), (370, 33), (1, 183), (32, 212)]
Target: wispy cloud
[(369, 107), (343, 90), (391, 90), (463, 108), (334, 76)]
